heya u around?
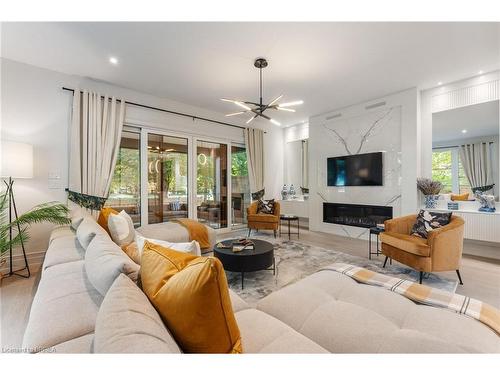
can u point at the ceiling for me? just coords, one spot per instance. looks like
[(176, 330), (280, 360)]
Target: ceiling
[(328, 65), (479, 120)]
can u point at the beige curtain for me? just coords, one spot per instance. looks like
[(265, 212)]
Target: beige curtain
[(476, 160), (254, 142), (96, 127)]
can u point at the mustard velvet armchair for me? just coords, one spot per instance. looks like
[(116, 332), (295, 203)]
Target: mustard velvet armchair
[(441, 251), (263, 221)]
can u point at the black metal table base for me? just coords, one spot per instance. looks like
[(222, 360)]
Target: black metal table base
[(289, 226), (376, 232), (267, 269)]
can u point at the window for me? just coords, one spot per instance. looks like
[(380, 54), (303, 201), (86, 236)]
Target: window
[(447, 169), (240, 185), (167, 178), (125, 191)]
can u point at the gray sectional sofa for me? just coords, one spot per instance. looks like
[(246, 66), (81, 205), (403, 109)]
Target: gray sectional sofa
[(87, 302)]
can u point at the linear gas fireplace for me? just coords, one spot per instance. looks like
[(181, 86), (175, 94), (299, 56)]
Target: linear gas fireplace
[(357, 215)]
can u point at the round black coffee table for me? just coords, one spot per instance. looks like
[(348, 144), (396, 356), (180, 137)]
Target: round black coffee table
[(249, 260)]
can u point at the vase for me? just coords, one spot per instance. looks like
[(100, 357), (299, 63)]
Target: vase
[(292, 192), (284, 193), (431, 201)]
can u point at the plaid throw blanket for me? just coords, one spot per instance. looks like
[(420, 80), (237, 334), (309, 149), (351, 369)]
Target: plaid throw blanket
[(473, 308)]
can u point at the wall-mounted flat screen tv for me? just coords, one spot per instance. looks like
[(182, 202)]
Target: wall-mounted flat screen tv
[(356, 170)]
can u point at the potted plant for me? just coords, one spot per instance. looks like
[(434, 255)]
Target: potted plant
[(430, 189), (52, 212)]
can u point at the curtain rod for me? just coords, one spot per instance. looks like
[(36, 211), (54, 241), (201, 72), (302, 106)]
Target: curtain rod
[(456, 146), (173, 112)]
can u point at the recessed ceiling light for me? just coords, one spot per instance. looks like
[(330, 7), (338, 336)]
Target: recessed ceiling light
[(464, 131), (440, 83), (480, 72), (113, 60)]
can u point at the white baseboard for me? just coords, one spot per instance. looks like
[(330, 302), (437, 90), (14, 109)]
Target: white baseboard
[(35, 260)]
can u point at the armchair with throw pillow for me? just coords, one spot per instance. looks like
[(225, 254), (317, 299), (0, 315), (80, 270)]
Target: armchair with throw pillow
[(440, 251), (259, 220)]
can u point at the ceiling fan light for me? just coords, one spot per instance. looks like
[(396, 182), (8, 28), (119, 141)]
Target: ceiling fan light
[(243, 105), (290, 104), (275, 122), (235, 113), (275, 100), (285, 109)]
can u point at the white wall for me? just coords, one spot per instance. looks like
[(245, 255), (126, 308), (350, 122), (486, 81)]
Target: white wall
[(36, 110), (406, 146)]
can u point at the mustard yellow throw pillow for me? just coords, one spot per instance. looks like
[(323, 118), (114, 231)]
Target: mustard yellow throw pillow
[(459, 197), (191, 295), (102, 220)]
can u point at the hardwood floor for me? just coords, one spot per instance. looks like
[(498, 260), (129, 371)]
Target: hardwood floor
[(481, 278)]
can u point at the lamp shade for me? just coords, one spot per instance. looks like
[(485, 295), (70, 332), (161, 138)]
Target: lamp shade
[(17, 160)]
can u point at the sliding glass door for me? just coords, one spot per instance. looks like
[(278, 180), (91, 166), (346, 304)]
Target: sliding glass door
[(163, 177), (168, 193), (211, 183), (124, 192)]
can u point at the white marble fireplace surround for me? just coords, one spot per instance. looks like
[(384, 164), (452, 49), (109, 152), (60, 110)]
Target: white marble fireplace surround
[(387, 124)]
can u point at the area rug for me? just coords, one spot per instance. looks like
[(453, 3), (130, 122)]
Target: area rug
[(296, 260)]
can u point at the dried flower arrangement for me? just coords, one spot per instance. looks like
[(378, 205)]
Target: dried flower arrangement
[(428, 186)]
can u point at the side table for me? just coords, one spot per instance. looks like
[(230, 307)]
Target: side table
[(374, 231), (290, 218)]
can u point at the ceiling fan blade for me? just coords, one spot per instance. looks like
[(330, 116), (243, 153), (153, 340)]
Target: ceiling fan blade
[(274, 122), (284, 109), (275, 100), (291, 104), (235, 113)]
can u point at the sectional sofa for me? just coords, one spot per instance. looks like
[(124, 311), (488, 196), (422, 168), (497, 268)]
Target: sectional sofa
[(87, 302)]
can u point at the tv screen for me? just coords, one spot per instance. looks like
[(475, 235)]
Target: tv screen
[(356, 170)]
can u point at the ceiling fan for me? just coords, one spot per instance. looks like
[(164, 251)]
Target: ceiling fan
[(258, 109)]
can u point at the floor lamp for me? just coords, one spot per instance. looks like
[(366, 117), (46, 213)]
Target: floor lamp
[(17, 163)]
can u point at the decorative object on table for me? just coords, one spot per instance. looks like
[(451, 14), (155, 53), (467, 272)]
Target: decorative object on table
[(459, 197), (452, 205), (17, 163), (256, 109), (486, 201), (284, 193), (427, 221), (430, 189), (292, 191), (290, 218), (258, 195), (482, 189), (304, 190), (242, 244), (90, 202)]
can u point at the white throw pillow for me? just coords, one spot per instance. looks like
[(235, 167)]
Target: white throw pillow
[(121, 228), (104, 261), (192, 247), (87, 230)]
